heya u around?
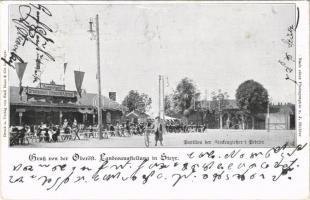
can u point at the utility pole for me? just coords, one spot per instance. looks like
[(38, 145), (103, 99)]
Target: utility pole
[(98, 75), (99, 80), (159, 96), (163, 85), (268, 118), (220, 112), (268, 115)]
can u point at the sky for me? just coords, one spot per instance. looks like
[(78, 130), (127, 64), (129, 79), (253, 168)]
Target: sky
[(218, 46)]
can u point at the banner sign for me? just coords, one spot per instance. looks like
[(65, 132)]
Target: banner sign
[(20, 69), (79, 76), (52, 86), (45, 92)]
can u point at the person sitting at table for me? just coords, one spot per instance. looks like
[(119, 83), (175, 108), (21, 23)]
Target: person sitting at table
[(74, 124), (39, 133), (32, 130), (67, 130), (56, 133), (50, 133), (118, 129), (112, 130), (65, 124), (13, 135), (43, 129), (91, 131), (75, 129), (21, 134), (66, 127), (46, 134)]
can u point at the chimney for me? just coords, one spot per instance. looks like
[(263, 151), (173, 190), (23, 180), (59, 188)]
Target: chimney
[(112, 96)]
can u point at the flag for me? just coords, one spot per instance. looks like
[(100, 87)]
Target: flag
[(79, 76), (65, 67), (20, 70)]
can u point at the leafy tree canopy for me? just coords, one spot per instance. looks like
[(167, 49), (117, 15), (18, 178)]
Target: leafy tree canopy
[(252, 97), (184, 95), (136, 101)]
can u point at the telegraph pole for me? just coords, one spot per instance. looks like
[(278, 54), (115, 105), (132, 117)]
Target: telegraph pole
[(98, 73), (159, 98), (99, 80), (268, 118), (268, 115), (220, 112), (163, 85)]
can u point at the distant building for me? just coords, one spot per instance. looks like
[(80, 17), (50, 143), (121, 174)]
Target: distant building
[(137, 116), (282, 116)]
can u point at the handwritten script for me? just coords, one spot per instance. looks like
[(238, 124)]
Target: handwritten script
[(273, 164), (288, 59), (31, 29)]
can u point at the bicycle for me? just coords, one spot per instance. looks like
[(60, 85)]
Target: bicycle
[(147, 133)]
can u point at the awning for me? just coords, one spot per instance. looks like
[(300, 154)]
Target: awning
[(50, 109)]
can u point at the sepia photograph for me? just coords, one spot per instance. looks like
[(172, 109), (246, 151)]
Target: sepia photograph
[(152, 75), (154, 100)]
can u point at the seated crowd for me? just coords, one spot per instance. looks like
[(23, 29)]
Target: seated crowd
[(54, 133)]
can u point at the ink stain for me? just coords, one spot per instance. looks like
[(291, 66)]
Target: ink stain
[(248, 35)]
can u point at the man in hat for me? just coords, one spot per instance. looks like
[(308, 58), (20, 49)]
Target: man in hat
[(158, 128)]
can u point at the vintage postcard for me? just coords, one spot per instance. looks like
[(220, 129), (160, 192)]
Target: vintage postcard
[(154, 100)]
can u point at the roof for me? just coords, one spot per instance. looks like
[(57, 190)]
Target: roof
[(285, 109), (137, 114), (232, 104), (87, 100), (91, 99)]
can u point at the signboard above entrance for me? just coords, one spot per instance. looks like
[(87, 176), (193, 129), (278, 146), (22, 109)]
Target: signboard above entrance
[(47, 92)]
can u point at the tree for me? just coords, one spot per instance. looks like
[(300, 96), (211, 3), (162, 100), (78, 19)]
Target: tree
[(252, 98), (168, 104), (135, 101), (183, 96)]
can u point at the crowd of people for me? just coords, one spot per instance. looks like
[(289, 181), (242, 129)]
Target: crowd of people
[(177, 126), (49, 132)]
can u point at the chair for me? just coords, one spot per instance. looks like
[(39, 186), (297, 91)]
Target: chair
[(75, 134), (14, 138)]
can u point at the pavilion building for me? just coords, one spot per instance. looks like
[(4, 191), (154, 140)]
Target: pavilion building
[(52, 103)]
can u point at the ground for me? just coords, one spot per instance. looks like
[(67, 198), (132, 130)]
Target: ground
[(211, 138)]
